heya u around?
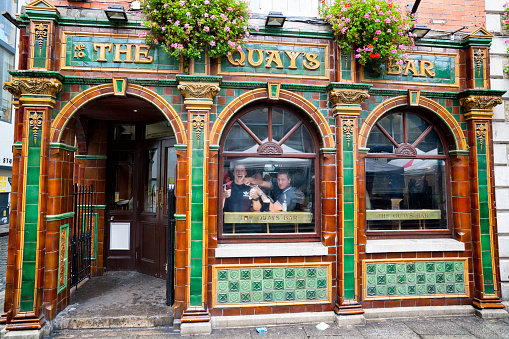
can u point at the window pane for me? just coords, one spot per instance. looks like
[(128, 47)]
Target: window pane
[(123, 163), (238, 140), (285, 187), (431, 144), (124, 132), (415, 126), (258, 122), (379, 143), (151, 188), (282, 123), (299, 142), (393, 124), (406, 194)]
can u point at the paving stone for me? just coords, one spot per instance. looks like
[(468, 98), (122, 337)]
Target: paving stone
[(387, 330), (333, 331), (436, 326), (231, 333), (480, 328)]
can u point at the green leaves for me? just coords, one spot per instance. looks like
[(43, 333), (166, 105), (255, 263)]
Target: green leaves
[(188, 27), (377, 30)]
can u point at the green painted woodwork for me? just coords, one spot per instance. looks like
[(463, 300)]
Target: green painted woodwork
[(269, 285), (346, 67), (62, 146), (60, 216), (401, 280)]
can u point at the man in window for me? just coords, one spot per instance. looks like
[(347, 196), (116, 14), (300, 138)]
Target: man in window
[(286, 199), (236, 198)]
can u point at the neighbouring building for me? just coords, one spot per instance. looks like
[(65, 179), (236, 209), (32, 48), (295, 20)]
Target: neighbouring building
[(385, 181), (499, 59)]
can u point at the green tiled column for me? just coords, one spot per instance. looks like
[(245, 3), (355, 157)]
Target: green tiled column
[(487, 252), (197, 212), (31, 208)]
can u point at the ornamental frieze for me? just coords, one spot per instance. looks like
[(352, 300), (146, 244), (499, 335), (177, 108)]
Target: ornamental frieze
[(198, 91), (346, 101)]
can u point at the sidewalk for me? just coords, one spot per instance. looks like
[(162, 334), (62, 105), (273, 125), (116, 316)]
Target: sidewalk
[(4, 230), (439, 327)]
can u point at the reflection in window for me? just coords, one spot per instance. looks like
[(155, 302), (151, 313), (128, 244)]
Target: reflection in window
[(123, 163), (268, 174), (405, 181)]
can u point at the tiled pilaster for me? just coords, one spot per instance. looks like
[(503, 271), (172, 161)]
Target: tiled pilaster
[(346, 107)]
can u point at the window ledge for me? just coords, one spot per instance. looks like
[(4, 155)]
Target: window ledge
[(414, 245), (249, 250)]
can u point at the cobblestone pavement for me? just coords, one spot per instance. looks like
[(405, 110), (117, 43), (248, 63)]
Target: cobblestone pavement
[(443, 327)]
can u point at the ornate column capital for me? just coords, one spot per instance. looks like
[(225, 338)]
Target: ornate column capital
[(34, 92), (198, 95), (479, 106), (347, 101)]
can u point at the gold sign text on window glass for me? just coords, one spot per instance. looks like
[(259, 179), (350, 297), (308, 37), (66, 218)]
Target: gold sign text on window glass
[(267, 217), (403, 214)]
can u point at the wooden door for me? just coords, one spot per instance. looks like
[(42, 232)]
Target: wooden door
[(158, 160)]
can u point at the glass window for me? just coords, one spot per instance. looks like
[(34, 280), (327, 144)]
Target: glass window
[(406, 175), (268, 180), (123, 164)]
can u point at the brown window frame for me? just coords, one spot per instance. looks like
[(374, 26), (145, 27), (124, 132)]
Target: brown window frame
[(274, 237), (435, 233)]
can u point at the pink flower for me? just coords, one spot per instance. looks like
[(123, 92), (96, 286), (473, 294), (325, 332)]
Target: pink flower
[(394, 51), (234, 22), (206, 28), (357, 56), (227, 28), (180, 46), (230, 9), (138, 14), (329, 16), (257, 28), (401, 46), (186, 26), (358, 50), (244, 28), (174, 45), (163, 28), (347, 20), (188, 13), (343, 30), (142, 24), (387, 21), (400, 33), (212, 43), (206, 15), (166, 5), (213, 17), (169, 20), (207, 2), (155, 41), (378, 32), (177, 23), (142, 35), (400, 62), (366, 16), (239, 48), (377, 20), (389, 30), (182, 3), (222, 16), (245, 40)]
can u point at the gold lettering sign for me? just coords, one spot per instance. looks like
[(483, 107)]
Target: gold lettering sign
[(140, 52), (309, 61), (267, 217), (403, 214), (425, 68)]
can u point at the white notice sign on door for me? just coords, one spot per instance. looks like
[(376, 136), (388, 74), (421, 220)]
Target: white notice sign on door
[(120, 235)]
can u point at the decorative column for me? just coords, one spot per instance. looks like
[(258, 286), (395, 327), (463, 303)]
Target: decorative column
[(477, 106), (198, 93), (37, 97), (346, 106)]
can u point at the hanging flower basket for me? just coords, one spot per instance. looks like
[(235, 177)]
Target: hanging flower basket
[(505, 20), (378, 30), (186, 28)]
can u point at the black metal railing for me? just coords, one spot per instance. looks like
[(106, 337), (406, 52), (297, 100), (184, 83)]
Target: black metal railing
[(81, 234), (170, 268)]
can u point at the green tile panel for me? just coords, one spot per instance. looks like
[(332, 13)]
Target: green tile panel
[(419, 279), (282, 285)]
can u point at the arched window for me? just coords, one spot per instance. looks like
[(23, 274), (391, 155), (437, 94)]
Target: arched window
[(406, 176), (268, 169)]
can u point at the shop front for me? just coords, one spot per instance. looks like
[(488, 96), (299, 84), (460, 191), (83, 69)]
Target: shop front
[(303, 182)]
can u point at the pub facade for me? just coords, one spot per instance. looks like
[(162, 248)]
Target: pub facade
[(303, 182)]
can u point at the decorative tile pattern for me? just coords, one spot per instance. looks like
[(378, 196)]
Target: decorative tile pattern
[(238, 285), (402, 279), (63, 258)]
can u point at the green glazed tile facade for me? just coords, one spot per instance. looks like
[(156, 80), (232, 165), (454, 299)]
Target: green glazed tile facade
[(414, 279), (238, 286), (488, 271)]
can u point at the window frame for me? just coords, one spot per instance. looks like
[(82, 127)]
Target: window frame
[(270, 237), (432, 233)]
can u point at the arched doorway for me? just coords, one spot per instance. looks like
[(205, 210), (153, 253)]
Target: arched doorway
[(136, 140)]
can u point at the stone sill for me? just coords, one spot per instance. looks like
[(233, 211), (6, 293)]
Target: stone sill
[(249, 250), (414, 245)]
